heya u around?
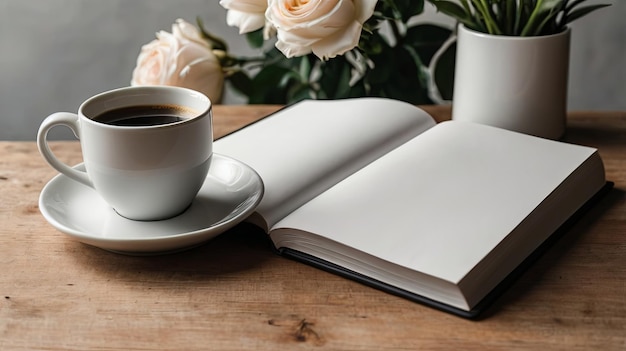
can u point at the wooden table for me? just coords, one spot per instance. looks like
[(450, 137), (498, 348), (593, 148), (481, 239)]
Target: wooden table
[(234, 293)]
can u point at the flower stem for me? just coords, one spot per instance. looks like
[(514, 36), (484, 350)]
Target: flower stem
[(397, 33)]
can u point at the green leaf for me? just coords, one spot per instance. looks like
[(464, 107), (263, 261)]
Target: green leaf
[(270, 86), (486, 16), (451, 9), (510, 20), (426, 39), (457, 12), (241, 82), (398, 74), (444, 72), (583, 11), (515, 17), (300, 92), (544, 12), (335, 78), (384, 64), (408, 8), (305, 68), (343, 82), (373, 44), (255, 39), (418, 64), (357, 90)]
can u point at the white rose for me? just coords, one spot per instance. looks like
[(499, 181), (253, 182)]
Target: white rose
[(325, 27), (181, 58), (247, 15)]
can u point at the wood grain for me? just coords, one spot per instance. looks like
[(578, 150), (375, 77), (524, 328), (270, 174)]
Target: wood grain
[(234, 293)]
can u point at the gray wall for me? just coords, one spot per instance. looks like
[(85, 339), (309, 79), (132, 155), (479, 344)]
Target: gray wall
[(56, 53)]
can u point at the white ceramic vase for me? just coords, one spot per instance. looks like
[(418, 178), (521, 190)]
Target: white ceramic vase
[(516, 83)]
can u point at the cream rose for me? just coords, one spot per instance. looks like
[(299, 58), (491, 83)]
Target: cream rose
[(325, 27), (247, 15), (181, 58)]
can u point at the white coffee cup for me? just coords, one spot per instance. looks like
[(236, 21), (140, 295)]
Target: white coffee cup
[(145, 172)]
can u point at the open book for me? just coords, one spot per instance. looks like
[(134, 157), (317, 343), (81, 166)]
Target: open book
[(375, 190)]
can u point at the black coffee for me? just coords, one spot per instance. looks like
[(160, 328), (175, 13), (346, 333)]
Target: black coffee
[(141, 116)]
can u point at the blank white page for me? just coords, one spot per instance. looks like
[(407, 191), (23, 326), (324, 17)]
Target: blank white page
[(304, 149), (441, 202)]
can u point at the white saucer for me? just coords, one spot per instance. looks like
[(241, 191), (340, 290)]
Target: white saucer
[(230, 193)]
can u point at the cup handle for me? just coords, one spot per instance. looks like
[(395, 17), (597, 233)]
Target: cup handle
[(69, 120)]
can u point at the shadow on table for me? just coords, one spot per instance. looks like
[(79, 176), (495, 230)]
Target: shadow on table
[(245, 253), (242, 248), (561, 246)]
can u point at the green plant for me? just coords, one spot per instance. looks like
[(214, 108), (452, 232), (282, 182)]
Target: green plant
[(313, 49), (515, 17), (390, 60)]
